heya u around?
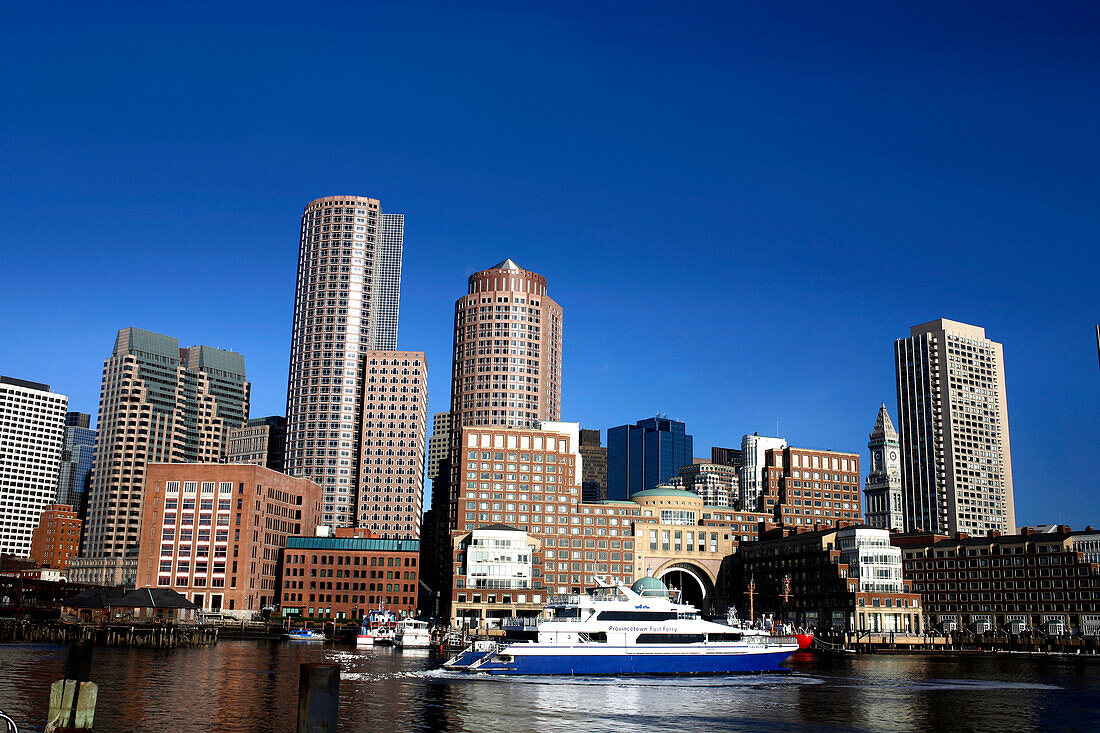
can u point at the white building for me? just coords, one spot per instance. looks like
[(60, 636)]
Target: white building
[(953, 418), (32, 435), (871, 558), (751, 475)]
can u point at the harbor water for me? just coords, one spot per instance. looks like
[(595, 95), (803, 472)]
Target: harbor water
[(251, 687)]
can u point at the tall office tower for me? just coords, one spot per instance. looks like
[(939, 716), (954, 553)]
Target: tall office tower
[(645, 454), (507, 358), (346, 302), (158, 403), (953, 413), (593, 465), (261, 442), (726, 457), (883, 488), (32, 433), (438, 444), (77, 457), (716, 483), (751, 473), (391, 456)]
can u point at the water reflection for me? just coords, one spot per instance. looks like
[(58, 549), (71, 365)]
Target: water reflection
[(247, 686)]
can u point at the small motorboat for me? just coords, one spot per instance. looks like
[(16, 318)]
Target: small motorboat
[(304, 635), (413, 634)]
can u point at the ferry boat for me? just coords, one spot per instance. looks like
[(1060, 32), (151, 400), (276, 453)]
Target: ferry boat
[(620, 630), (304, 635), (378, 628), (413, 634)]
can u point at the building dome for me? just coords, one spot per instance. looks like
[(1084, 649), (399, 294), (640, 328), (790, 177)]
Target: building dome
[(649, 586)]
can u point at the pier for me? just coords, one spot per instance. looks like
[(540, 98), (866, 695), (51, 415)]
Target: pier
[(897, 643), (154, 636)]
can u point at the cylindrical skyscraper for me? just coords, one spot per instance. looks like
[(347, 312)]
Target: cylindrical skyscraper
[(346, 303)]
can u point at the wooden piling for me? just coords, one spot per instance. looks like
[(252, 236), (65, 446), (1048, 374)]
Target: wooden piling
[(318, 698)]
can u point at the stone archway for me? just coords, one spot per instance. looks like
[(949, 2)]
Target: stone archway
[(694, 583)]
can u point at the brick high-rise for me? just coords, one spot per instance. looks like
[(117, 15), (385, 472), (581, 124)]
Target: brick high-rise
[(159, 403), (346, 303)]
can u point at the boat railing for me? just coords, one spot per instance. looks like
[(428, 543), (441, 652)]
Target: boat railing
[(521, 622)]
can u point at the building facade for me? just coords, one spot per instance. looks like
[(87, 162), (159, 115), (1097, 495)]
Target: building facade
[(644, 455), (345, 304), (438, 445), (261, 441), (1030, 582), (391, 455), (751, 473), (56, 539), (215, 532), (811, 487), (32, 434), (77, 459), (158, 403), (343, 577), (837, 579), (593, 466), (726, 457), (953, 416), (716, 483), (883, 488)]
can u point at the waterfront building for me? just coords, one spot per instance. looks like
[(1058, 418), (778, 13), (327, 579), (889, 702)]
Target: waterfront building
[(345, 304), (716, 483), (158, 403), (56, 539), (1033, 581), (726, 457), (32, 434), (593, 466), (645, 455), (810, 487), (77, 459), (344, 576), (391, 455), (839, 579), (438, 445), (261, 441), (953, 416), (751, 473), (883, 489), (214, 532)]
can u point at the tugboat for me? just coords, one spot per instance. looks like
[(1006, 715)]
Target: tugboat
[(618, 630), (378, 628)]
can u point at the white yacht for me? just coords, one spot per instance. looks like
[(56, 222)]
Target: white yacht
[(413, 634), (620, 630)]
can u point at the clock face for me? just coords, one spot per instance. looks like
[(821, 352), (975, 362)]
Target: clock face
[(893, 455)]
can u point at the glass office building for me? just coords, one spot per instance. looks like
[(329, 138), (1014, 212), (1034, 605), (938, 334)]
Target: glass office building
[(644, 455)]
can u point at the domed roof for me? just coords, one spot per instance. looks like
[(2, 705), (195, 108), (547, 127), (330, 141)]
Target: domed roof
[(676, 493), (649, 586)]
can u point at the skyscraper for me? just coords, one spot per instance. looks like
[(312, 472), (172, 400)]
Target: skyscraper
[(77, 458), (159, 403), (438, 444), (751, 473), (32, 432), (883, 489), (953, 414), (594, 466), (645, 454), (507, 358), (346, 303), (261, 442)]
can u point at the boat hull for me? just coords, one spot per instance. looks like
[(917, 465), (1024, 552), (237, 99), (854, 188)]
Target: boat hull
[(637, 664)]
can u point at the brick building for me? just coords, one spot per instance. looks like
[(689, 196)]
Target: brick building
[(56, 539), (1034, 580), (215, 532), (341, 577), (811, 487)]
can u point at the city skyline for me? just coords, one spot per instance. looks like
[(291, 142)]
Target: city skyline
[(958, 192)]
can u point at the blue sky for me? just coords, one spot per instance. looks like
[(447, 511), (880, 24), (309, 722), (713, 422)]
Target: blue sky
[(740, 207)]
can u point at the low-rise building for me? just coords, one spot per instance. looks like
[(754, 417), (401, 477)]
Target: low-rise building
[(1040, 581), (344, 576), (836, 579), (142, 605), (56, 539), (215, 532)]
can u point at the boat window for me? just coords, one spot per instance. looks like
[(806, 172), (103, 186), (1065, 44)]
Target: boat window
[(669, 638), (593, 636), (637, 615), (723, 637), (567, 613)]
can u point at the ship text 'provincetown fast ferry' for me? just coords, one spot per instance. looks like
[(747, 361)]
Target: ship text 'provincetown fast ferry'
[(620, 630)]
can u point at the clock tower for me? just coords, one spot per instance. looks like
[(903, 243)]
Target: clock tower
[(883, 489)]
